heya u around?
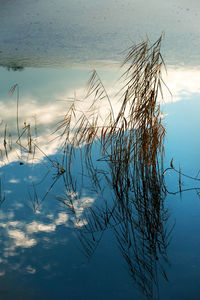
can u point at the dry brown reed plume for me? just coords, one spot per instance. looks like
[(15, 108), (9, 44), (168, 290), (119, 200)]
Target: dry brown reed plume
[(130, 144), (137, 126)]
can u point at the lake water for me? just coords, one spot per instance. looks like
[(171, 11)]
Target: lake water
[(61, 235)]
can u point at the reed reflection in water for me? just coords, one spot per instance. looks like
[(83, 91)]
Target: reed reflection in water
[(121, 163), (122, 153)]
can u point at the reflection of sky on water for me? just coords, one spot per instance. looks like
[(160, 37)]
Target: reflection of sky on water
[(43, 102), (46, 95), (39, 251), (43, 245)]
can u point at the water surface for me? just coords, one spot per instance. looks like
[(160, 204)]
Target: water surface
[(41, 251)]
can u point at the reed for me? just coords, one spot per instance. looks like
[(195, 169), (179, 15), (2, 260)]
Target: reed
[(121, 155), (128, 162), (130, 145), (2, 194)]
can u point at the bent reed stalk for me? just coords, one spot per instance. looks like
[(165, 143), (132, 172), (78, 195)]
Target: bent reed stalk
[(131, 146), (136, 132)]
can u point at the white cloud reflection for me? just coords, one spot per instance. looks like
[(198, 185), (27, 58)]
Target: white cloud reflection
[(30, 270), (2, 273), (44, 117), (61, 219), (39, 227), (13, 180), (182, 81), (21, 239), (20, 235)]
